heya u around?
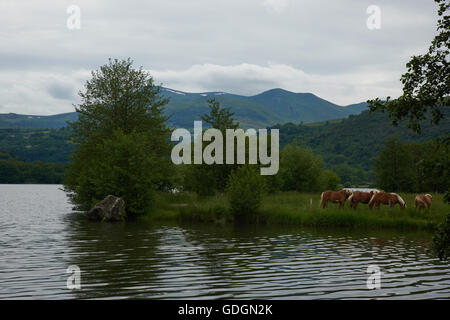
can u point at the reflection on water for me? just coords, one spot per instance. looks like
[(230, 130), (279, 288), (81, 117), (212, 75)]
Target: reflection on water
[(41, 237)]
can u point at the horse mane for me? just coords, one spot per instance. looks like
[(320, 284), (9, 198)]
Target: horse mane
[(402, 202), (371, 199)]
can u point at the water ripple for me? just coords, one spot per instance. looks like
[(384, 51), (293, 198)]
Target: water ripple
[(133, 260)]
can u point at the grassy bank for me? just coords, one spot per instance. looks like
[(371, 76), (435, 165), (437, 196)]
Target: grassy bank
[(292, 208)]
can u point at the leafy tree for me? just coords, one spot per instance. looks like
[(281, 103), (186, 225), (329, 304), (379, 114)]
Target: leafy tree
[(394, 167), (245, 190), (426, 84), (328, 180), (299, 169), (431, 165), (208, 179), (121, 139), (219, 117), (441, 240)]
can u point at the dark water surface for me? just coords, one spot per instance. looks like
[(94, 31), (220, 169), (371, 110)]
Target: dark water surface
[(40, 237)]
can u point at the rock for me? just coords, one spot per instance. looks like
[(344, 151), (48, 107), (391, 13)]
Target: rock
[(109, 209)]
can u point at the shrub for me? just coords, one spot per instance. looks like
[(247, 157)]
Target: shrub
[(441, 240), (245, 190)]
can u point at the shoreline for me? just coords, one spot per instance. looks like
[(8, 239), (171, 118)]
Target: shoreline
[(293, 209)]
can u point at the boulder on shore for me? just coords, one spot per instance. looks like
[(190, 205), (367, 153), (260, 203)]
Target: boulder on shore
[(110, 209)]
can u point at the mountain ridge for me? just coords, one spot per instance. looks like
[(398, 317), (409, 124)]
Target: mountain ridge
[(261, 110)]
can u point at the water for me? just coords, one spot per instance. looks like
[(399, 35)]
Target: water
[(40, 237)]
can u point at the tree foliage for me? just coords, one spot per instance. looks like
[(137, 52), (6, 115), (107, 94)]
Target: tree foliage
[(121, 139), (413, 167), (208, 179), (300, 170), (245, 190), (16, 171), (441, 240), (426, 84)]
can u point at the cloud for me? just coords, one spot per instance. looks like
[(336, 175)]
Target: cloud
[(320, 46), (40, 93), (277, 6), (61, 91)]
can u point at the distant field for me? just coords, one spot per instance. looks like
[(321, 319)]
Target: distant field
[(322, 123)]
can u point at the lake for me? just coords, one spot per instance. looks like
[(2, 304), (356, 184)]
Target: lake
[(40, 237)]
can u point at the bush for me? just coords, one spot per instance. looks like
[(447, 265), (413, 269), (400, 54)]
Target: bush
[(329, 180), (441, 240), (245, 190), (299, 169)]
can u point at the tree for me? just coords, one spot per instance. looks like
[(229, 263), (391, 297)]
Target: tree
[(219, 117), (207, 179), (299, 169), (395, 167), (426, 84), (431, 165), (441, 240), (245, 190), (121, 139), (328, 180)]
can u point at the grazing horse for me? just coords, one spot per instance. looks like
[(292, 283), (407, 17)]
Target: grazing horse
[(334, 196), (390, 199), (422, 201), (359, 196)]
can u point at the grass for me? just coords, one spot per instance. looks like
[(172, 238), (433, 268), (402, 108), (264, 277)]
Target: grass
[(293, 208)]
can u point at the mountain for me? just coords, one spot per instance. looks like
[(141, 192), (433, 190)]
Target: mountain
[(258, 111), (22, 120), (300, 107)]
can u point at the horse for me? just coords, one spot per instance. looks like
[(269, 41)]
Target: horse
[(390, 199), (334, 196), (360, 197), (423, 200)]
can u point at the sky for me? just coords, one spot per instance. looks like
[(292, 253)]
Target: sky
[(47, 49)]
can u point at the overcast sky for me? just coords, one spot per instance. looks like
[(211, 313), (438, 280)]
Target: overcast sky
[(236, 46)]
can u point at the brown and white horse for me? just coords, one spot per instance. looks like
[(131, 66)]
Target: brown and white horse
[(423, 200), (360, 197), (390, 199), (334, 196)]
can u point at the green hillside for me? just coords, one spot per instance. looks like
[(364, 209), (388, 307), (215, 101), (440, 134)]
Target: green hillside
[(349, 146), (35, 144), (259, 111)]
